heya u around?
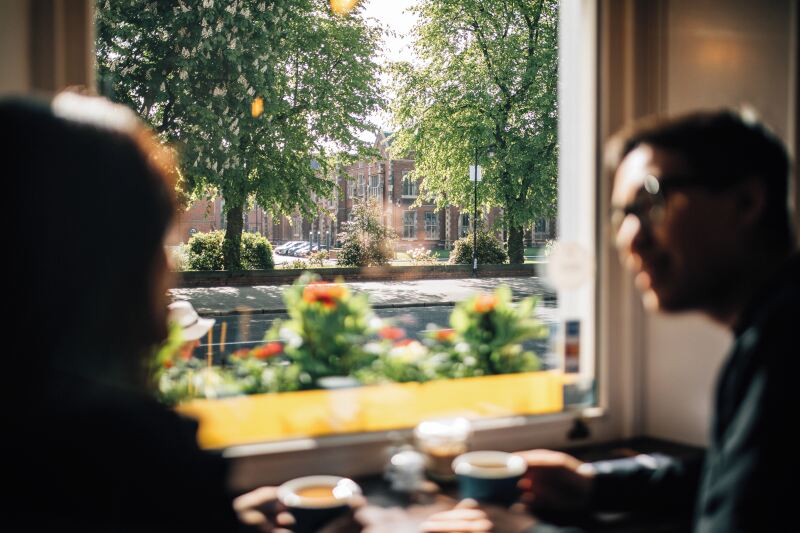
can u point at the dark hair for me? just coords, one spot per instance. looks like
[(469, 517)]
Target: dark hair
[(93, 196), (722, 147)]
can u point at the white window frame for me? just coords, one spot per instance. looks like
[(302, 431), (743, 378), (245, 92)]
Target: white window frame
[(432, 229), (617, 412), (409, 186), (414, 226)]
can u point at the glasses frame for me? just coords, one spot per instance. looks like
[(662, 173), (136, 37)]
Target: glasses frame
[(650, 208)]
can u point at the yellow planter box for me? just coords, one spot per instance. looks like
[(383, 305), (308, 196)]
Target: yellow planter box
[(263, 417)]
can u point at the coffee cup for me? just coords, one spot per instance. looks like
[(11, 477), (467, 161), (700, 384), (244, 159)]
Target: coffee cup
[(489, 476), (314, 501)]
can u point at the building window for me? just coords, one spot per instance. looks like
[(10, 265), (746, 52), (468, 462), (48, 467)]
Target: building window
[(410, 225), (464, 226), (362, 185), (431, 225), (410, 188), (375, 190)]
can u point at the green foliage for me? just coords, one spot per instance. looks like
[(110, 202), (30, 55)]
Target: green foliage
[(178, 260), (326, 329), (487, 80), (204, 252), (366, 241), (317, 259), (256, 252), (295, 264), (490, 250), (195, 71)]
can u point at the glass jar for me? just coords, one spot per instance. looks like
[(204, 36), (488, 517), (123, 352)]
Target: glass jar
[(441, 441)]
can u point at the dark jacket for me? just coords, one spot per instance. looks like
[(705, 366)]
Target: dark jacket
[(749, 478), (87, 456)]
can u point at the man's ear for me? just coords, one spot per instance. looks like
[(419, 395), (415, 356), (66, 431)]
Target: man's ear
[(751, 201)]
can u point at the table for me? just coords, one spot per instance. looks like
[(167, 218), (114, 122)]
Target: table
[(403, 514)]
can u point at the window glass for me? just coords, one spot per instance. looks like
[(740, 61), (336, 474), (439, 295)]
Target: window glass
[(410, 225)]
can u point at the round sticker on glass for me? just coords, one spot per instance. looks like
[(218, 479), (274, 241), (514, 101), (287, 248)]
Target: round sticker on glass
[(569, 267)]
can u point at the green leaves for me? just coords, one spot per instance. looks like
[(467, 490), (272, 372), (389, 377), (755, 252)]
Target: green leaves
[(191, 69), (487, 80)]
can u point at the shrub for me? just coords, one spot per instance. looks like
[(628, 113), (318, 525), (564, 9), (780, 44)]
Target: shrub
[(178, 260), (256, 252), (366, 241), (297, 264), (204, 252), (421, 256), (490, 250), (318, 258)]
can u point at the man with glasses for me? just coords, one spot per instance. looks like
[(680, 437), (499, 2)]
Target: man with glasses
[(700, 216)]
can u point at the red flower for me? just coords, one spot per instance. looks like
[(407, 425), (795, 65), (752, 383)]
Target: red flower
[(268, 350), (327, 294), (391, 333), (241, 354), (485, 303), (168, 363), (404, 342), (445, 335)]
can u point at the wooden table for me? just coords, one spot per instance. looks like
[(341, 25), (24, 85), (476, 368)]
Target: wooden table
[(398, 513)]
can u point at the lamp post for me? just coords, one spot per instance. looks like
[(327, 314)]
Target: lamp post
[(475, 217)]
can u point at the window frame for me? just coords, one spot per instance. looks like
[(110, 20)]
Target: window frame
[(413, 225), (432, 229), (584, 29)]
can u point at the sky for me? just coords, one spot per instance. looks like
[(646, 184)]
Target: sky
[(393, 15)]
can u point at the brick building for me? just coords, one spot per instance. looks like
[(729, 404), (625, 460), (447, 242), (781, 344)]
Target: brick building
[(383, 179)]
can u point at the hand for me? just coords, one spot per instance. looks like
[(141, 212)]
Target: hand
[(556, 481), (261, 510), (468, 516)]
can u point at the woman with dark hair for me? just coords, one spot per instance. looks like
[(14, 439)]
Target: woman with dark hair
[(88, 448)]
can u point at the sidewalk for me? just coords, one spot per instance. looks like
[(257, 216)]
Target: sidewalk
[(217, 301)]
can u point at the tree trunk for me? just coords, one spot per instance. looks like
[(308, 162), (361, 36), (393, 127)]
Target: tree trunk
[(516, 245), (232, 245)]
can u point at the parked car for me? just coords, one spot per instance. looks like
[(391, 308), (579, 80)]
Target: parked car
[(285, 247), (301, 251)]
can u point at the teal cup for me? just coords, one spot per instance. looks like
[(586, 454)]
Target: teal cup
[(314, 501), (489, 476)]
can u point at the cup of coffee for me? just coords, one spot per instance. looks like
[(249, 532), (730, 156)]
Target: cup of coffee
[(316, 500), (489, 476)]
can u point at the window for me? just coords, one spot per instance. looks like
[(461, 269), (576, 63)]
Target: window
[(410, 187), (572, 204), (464, 226), (410, 225), (375, 189), (431, 225)]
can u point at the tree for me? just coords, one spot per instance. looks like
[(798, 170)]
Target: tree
[(251, 92), (485, 81)]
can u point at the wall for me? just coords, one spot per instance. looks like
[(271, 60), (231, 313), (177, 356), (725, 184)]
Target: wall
[(14, 54), (713, 53)]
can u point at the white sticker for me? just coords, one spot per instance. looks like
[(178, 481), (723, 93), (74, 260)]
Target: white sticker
[(569, 266)]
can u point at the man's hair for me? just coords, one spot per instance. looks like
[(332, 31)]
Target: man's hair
[(721, 148)]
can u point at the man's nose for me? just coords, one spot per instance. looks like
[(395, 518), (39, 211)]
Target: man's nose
[(632, 237)]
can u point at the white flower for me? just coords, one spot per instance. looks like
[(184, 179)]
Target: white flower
[(242, 80), (409, 353), (185, 53), (219, 25), (232, 44), (208, 3), (219, 91), (206, 33), (261, 6), (163, 88), (183, 75), (246, 13), (236, 131), (203, 23), (251, 91), (183, 7), (231, 9)]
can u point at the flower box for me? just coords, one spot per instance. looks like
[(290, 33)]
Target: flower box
[(263, 417)]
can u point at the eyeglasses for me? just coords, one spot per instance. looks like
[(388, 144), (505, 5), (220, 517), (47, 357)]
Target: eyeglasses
[(649, 206)]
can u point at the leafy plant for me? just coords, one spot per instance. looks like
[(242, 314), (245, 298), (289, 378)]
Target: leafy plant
[(366, 240), (422, 256), (326, 330), (490, 250), (318, 258), (204, 252)]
